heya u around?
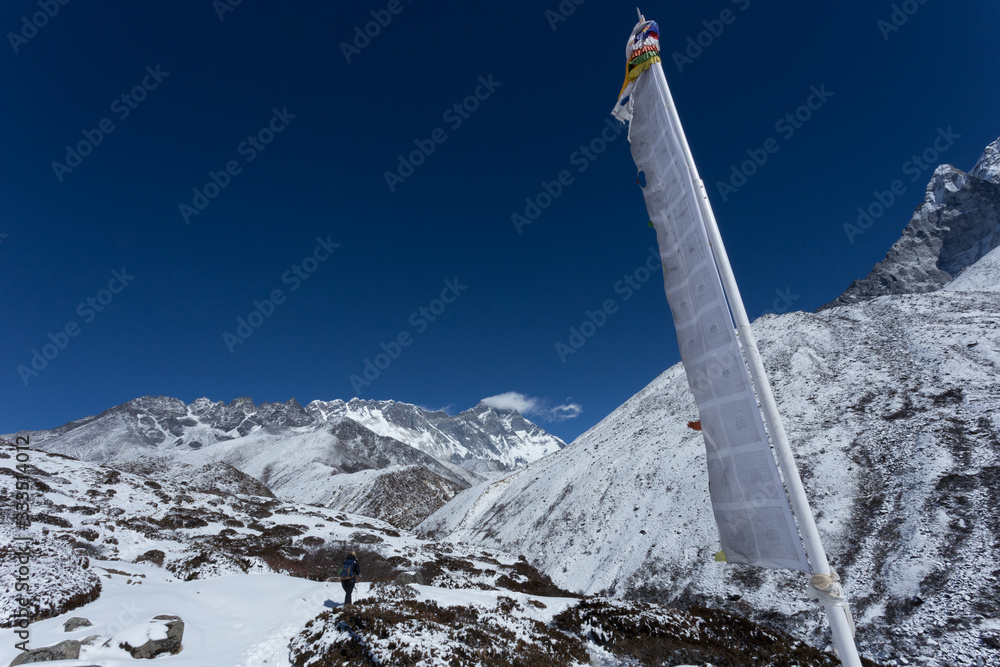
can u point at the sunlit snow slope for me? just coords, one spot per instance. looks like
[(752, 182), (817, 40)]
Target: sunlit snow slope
[(892, 409)]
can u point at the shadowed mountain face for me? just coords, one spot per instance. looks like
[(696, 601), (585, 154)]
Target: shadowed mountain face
[(957, 224)]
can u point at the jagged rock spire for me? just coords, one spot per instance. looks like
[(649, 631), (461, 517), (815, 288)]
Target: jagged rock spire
[(957, 224)]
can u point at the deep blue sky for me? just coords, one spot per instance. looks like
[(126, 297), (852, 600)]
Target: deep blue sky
[(323, 177)]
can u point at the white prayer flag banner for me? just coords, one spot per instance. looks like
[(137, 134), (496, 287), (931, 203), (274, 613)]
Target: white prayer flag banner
[(751, 508)]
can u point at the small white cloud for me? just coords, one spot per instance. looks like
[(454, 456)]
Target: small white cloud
[(534, 407), (561, 413), (512, 400)]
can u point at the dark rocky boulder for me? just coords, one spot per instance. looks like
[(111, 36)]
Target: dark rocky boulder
[(76, 622), (154, 647), (65, 650), (410, 578)]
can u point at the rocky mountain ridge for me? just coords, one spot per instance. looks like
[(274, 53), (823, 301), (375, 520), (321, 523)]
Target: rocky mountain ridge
[(394, 460), (477, 436), (957, 224), (988, 166)]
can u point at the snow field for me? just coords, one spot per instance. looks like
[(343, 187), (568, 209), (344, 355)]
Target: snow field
[(239, 620)]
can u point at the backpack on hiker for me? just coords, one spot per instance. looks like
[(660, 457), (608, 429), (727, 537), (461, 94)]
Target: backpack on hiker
[(348, 570)]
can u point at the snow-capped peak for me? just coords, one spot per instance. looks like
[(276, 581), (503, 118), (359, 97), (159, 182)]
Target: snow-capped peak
[(988, 167), (499, 437), (957, 224)]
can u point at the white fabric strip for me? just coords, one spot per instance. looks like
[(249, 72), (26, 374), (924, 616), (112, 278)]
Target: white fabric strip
[(751, 507)]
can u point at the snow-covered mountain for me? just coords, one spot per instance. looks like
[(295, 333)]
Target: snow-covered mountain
[(893, 409), (892, 405), (480, 434), (241, 579), (988, 167), (391, 459), (957, 224)]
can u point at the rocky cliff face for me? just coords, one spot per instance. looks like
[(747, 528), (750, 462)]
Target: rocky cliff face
[(988, 167), (957, 224)]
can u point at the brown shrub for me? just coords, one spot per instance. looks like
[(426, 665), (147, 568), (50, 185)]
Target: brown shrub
[(51, 520), (648, 635), (322, 563), (154, 556), (463, 636), (365, 538), (531, 582)]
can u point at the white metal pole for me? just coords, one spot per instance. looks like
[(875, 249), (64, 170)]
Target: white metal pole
[(840, 626)]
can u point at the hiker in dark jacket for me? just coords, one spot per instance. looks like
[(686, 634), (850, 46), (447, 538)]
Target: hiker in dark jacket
[(351, 563)]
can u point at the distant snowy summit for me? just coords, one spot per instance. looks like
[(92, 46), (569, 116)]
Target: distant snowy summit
[(500, 438), (957, 224), (385, 459), (483, 437)]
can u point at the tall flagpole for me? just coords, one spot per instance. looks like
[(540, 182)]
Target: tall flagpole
[(840, 624)]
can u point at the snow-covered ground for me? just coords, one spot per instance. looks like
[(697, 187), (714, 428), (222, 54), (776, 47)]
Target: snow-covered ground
[(243, 620), (219, 559), (983, 278)]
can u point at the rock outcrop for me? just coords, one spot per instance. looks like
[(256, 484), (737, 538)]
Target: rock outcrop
[(65, 650), (163, 635), (957, 224), (76, 622)]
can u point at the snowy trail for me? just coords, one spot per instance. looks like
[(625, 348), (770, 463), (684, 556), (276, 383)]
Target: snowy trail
[(223, 619)]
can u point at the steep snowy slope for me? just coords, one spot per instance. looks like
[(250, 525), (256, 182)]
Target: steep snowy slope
[(893, 409), (981, 277), (401, 495), (324, 465)]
